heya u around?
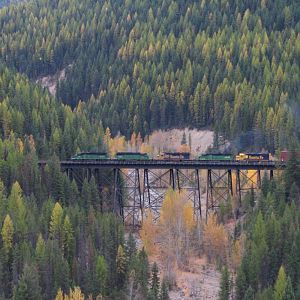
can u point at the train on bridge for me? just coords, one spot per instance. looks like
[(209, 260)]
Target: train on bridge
[(179, 156)]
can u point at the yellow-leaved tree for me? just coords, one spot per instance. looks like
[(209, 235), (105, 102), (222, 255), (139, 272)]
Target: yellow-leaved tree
[(148, 233), (215, 240), (7, 233), (75, 294), (177, 226)]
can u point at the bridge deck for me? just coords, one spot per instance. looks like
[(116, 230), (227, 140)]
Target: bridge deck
[(170, 164)]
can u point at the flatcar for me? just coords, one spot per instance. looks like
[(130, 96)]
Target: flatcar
[(132, 155), (90, 156), (175, 155), (252, 157), (216, 156)]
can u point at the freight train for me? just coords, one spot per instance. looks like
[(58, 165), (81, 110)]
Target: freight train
[(259, 157)]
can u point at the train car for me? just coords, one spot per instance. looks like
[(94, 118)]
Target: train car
[(285, 155), (253, 156), (132, 155), (175, 155), (90, 156), (216, 156)]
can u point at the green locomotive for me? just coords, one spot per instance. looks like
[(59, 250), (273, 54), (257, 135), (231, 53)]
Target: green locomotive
[(90, 156), (132, 155), (216, 156)]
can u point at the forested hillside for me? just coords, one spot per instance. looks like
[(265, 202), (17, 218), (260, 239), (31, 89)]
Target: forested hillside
[(270, 265), (232, 65), (54, 236), (136, 66), (6, 2)]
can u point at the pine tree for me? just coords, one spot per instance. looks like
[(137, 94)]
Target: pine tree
[(292, 172), (183, 140), (68, 239), (289, 292), (154, 287), (102, 274), (225, 285), (7, 234), (249, 295), (164, 291), (56, 222), (121, 266), (280, 285), (142, 271), (28, 285), (131, 250)]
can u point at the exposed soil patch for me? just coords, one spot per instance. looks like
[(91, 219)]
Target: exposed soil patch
[(50, 82), (170, 140), (200, 282)]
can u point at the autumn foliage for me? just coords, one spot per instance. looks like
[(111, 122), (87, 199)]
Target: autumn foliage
[(172, 235), (148, 233), (215, 240)]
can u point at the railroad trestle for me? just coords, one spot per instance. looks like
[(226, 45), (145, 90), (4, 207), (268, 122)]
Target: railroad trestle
[(140, 186)]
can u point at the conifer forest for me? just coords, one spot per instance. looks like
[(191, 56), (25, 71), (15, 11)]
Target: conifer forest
[(120, 71)]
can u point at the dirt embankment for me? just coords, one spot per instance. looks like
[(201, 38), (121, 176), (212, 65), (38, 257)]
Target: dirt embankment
[(170, 140), (201, 281), (50, 82)]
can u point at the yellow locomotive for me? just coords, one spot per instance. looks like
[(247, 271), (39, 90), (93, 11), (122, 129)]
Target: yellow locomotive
[(253, 156)]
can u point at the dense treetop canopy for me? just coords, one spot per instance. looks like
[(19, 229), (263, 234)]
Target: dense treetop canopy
[(232, 65)]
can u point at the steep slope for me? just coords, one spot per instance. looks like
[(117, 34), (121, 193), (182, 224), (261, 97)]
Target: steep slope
[(158, 64)]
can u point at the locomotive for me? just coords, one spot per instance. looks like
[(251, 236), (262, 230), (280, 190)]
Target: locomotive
[(90, 156), (253, 156), (132, 155), (85, 156), (238, 157)]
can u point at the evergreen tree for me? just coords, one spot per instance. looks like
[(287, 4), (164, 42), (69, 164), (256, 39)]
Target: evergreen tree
[(154, 286), (131, 251), (142, 271), (68, 239), (249, 295), (7, 233), (292, 172), (56, 222), (121, 267), (164, 291), (28, 285), (102, 274), (225, 285), (280, 285), (289, 292), (183, 140)]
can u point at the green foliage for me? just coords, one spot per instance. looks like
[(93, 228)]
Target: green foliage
[(225, 285), (28, 285), (142, 272), (56, 222), (289, 291), (102, 274), (164, 291), (121, 264), (273, 241), (143, 66), (280, 285), (7, 233), (138, 66), (154, 286), (249, 295)]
